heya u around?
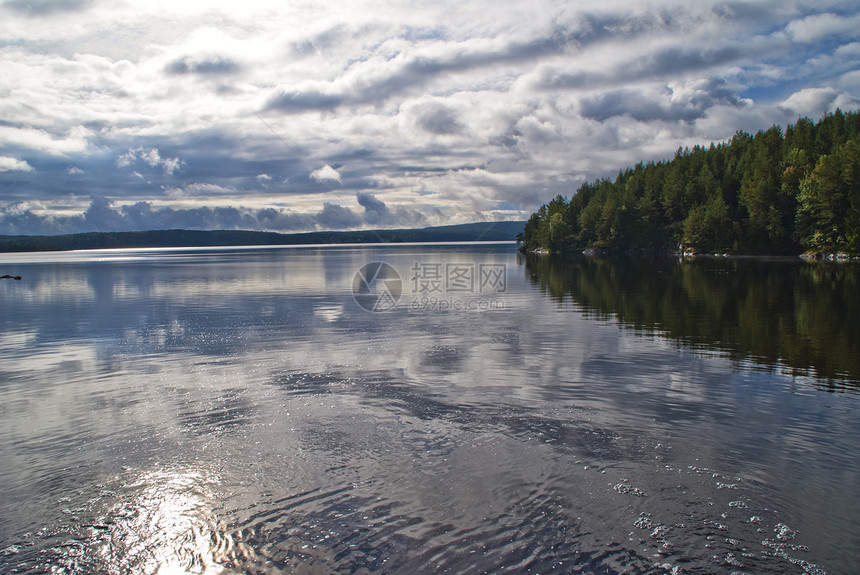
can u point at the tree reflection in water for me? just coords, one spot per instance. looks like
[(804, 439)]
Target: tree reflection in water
[(778, 313)]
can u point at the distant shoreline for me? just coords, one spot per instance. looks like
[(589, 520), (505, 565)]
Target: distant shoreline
[(505, 231)]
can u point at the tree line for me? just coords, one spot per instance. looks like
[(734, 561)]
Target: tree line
[(775, 192)]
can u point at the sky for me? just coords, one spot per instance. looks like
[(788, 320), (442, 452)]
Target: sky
[(302, 115)]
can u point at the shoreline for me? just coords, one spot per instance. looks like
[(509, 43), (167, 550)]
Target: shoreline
[(834, 257)]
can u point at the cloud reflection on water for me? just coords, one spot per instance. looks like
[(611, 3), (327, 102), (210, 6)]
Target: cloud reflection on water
[(279, 413)]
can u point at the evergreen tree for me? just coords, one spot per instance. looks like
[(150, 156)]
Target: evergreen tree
[(773, 192)]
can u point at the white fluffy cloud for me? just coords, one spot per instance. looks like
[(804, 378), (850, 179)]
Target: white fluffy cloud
[(814, 102), (8, 164), (820, 26), (326, 174), (150, 156), (40, 141), (368, 113)]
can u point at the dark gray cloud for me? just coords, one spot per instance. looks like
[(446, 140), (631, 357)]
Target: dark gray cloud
[(277, 220), (378, 215), (675, 60), (334, 216), (207, 66), (440, 120), (105, 215), (664, 64), (46, 7), (415, 71), (301, 101), (375, 210), (100, 215), (666, 105)]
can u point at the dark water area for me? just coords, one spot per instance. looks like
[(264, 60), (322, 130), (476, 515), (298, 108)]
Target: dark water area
[(241, 411), (776, 312)]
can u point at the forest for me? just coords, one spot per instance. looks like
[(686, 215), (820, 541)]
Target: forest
[(776, 192)]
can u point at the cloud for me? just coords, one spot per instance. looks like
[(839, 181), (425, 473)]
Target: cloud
[(376, 212), (302, 99), (8, 164), (46, 7), (74, 142), (237, 115), (850, 79), (215, 66), (687, 101), (850, 51), (439, 119), (199, 190), (381, 76), (377, 79), (101, 216), (334, 216), (815, 102), (819, 26), (106, 214), (662, 64), (150, 156), (170, 165), (326, 174)]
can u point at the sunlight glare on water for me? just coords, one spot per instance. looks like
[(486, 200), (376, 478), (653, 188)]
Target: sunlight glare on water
[(167, 528)]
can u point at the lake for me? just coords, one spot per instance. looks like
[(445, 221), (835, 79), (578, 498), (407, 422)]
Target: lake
[(426, 409)]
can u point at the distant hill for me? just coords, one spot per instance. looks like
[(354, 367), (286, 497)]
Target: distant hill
[(482, 231)]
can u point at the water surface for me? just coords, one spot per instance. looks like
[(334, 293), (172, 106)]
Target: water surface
[(238, 411)]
